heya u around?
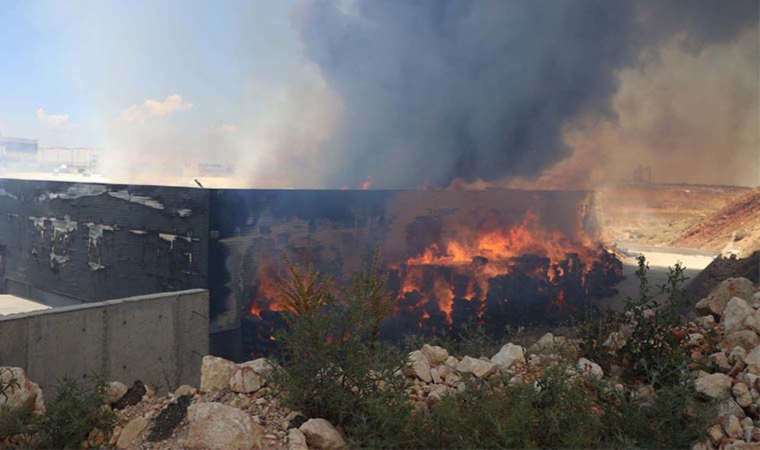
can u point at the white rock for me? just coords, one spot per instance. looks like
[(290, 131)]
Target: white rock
[(732, 427), (737, 354), (715, 433), (184, 390), (715, 385), (753, 357), (418, 366), (590, 368), (729, 406), (477, 367), (452, 362), (719, 297), (436, 375), (746, 339), (615, 341), (322, 435), (706, 321), (436, 355), (23, 391), (548, 342), (216, 373), (131, 432), (742, 395), (695, 338), (296, 440), (215, 426), (736, 311), (752, 322), (509, 355), (720, 360), (437, 392), (249, 376), (114, 391)]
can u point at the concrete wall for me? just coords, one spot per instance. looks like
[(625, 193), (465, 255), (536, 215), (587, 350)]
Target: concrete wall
[(159, 339)]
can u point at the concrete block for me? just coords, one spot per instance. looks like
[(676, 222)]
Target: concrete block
[(193, 335), (65, 343), (13, 341), (141, 339)]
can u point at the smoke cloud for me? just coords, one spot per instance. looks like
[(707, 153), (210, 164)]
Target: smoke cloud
[(436, 90)]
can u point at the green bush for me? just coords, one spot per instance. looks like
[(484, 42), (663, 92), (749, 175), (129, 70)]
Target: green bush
[(556, 411), (76, 409), (334, 366), (332, 362)]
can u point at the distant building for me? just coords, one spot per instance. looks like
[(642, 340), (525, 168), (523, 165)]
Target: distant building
[(18, 149)]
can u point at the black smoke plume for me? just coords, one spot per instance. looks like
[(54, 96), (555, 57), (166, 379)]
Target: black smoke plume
[(437, 90)]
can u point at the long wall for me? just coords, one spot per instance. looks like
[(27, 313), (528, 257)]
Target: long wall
[(76, 242), (159, 339)]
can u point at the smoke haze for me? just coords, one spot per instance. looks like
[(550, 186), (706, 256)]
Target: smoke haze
[(434, 91)]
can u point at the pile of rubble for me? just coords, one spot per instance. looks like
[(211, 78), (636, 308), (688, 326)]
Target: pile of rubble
[(731, 342), (236, 408)]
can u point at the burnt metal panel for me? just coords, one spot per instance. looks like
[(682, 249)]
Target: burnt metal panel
[(93, 242)]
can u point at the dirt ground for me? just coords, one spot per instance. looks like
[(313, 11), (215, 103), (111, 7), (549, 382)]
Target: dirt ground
[(707, 218)]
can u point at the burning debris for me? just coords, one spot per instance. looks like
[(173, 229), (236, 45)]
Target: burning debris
[(489, 269)]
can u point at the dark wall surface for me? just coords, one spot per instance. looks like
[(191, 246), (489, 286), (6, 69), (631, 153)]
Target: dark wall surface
[(93, 242), (252, 230)]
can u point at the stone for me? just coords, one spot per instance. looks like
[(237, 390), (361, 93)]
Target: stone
[(452, 378), (23, 392), (732, 427), (436, 355), (296, 440), (720, 296), (737, 354), (728, 407), (695, 338), (615, 341), (715, 433), (746, 339), (590, 368), (720, 360), (752, 322), (747, 423), (216, 426), (418, 366), (509, 355), (185, 390), (216, 373), (736, 311), (742, 395), (114, 391), (753, 357), (549, 342), (706, 321), (246, 378), (452, 362), (436, 375), (321, 434), (715, 385), (437, 393), (477, 367), (132, 432)]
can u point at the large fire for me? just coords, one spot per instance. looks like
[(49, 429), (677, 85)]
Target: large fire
[(479, 255), (485, 270)]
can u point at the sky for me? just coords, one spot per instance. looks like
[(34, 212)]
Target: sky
[(388, 93), (70, 70)]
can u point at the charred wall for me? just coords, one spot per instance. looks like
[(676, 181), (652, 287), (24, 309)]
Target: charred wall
[(252, 230), (79, 242)]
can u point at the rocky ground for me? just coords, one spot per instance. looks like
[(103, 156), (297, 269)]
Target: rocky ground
[(235, 406), (664, 215)]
